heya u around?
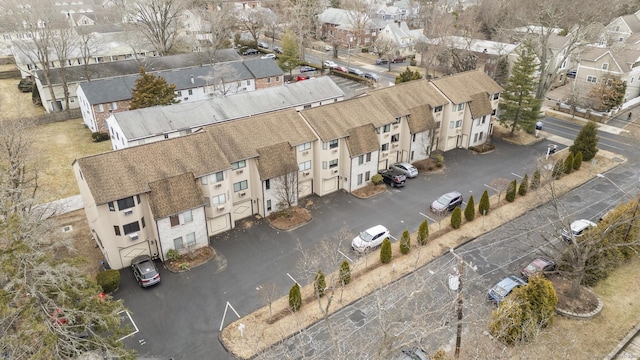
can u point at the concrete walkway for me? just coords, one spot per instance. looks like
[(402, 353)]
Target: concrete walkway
[(61, 206)]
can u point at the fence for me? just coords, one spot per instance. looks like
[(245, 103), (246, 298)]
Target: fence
[(56, 116), (583, 113)]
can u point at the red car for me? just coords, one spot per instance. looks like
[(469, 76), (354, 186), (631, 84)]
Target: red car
[(538, 266), (341, 69)]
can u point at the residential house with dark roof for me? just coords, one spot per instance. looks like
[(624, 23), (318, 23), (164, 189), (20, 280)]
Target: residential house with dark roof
[(173, 194), (141, 126), (338, 25), (100, 98)]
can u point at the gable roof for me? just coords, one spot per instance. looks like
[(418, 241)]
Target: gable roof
[(276, 160), (480, 105), (362, 139), (421, 119), (461, 86), (173, 195), (142, 123), (263, 68), (632, 22), (118, 174)]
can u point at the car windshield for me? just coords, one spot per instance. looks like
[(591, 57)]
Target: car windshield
[(500, 290), (365, 236), (531, 268), (444, 200)]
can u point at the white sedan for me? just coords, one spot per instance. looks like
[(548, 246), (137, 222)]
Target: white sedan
[(370, 238), (330, 64), (268, 56)]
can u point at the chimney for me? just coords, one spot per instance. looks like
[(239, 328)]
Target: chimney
[(192, 80)]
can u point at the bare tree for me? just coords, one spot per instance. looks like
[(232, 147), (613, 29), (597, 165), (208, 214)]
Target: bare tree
[(253, 21), (87, 45), (158, 21), (384, 48), (359, 14), (304, 14), (286, 190), (215, 28)]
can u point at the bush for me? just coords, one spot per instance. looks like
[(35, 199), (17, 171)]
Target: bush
[(440, 355), (98, 136), (577, 161), (469, 210), (295, 298), (385, 251), (568, 164), (558, 169), (456, 218), (506, 322), (376, 179), (423, 233), (524, 186), (483, 207), (320, 284), (345, 273), (109, 280), (439, 160), (173, 254), (511, 191), (586, 141), (405, 242), (535, 182)]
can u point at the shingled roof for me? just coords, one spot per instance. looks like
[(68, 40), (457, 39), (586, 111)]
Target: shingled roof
[(276, 160), (174, 195), (421, 119), (460, 87), (480, 105), (118, 174), (362, 139), (402, 97)]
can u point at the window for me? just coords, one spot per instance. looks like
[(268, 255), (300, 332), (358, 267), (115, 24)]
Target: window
[(385, 147), (398, 120), (386, 128), (248, 82), (324, 165), (126, 203), (368, 157), (333, 144), (217, 177), (367, 176), (116, 228), (480, 137), (138, 199), (175, 221), (143, 224), (179, 93), (190, 92), (191, 238), (359, 179), (307, 106), (360, 159), (188, 216), (268, 80), (203, 180), (238, 164), (111, 206), (605, 66), (100, 108), (267, 184), (242, 185), (496, 96), (305, 165), (333, 163), (219, 200), (269, 205), (131, 228), (207, 201), (592, 79), (277, 78), (452, 124), (438, 109), (177, 243), (395, 138), (460, 107), (305, 146), (617, 28), (475, 138), (458, 123)]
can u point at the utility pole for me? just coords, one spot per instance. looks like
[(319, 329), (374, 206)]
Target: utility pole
[(461, 265)]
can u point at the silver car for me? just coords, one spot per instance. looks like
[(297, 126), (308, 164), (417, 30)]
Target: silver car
[(145, 271), (447, 202), (407, 169)]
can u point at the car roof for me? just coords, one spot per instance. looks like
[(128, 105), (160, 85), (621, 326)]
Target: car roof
[(376, 229), (451, 195), (510, 282), (540, 263), (140, 258), (581, 224), (404, 164)]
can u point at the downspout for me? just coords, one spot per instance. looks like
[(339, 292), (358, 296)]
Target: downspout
[(159, 242)]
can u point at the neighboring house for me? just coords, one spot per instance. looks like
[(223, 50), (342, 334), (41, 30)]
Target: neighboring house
[(76, 75), (401, 38), (341, 26), (391, 13), (473, 101), (99, 98), (173, 194), (558, 46), (143, 126), (623, 29), (599, 64)]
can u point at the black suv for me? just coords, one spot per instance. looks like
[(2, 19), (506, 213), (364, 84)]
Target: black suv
[(395, 179)]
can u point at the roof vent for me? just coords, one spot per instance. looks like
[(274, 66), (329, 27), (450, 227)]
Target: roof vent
[(192, 80)]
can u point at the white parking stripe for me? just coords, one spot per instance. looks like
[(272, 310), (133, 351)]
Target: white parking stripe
[(133, 323)]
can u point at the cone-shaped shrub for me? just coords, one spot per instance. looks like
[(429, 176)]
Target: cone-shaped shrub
[(577, 161), (524, 186), (469, 210), (109, 280), (345, 272), (385, 251), (423, 233), (558, 169), (456, 218), (568, 164), (511, 191), (405, 242), (295, 298), (320, 284), (535, 182), (483, 207)]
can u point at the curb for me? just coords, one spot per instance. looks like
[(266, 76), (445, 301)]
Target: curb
[(626, 341), (215, 253), (586, 316)]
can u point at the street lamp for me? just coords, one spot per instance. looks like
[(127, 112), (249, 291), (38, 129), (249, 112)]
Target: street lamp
[(611, 181)]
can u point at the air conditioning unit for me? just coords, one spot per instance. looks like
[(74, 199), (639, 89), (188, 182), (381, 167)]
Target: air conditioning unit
[(220, 207), (335, 171), (218, 185), (335, 150), (133, 237), (306, 174), (305, 152), (243, 193), (395, 126), (385, 154), (239, 171), (386, 135), (395, 145), (128, 212), (458, 131)]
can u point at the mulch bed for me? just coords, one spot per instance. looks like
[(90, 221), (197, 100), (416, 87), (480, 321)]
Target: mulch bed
[(289, 218), (369, 191), (186, 262), (586, 301)]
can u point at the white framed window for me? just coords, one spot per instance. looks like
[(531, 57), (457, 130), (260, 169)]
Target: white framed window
[(458, 123), (305, 146), (324, 165), (605, 66), (592, 79), (191, 238), (386, 128), (305, 165), (238, 165), (100, 108), (240, 185), (333, 144), (360, 159), (177, 243), (395, 138), (385, 147), (269, 205), (188, 216), (218, 200), (217, 177), (333, 163), (496, 96), (438, 109), (460, 107), (359, 179), (203, 180), (190, 91), (452, 124)]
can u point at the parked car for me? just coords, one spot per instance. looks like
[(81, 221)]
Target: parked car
[(145, 271), (447, 202), (263, 45), (504, 288), (371, 76), (370, 238), (302, 78), (414, 354), (381, 61), (356, 72), (277, 49), (539, 265), (393, 178), (398, 59), (250, 52), (341, 69), (306, 68), (572, 74), (268, 56), (330, 64), (407, 169), (578, 228)]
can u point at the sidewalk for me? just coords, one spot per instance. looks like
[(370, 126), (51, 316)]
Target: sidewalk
[(61, 206)]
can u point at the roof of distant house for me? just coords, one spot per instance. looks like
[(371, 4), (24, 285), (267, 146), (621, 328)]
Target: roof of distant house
[(461, 87)]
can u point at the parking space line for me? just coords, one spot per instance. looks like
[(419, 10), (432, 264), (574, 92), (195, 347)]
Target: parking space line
[(428, 218), (393, 237), (132, 322)]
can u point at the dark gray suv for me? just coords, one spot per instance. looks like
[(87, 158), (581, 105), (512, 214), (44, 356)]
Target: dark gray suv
[(447, 202)]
